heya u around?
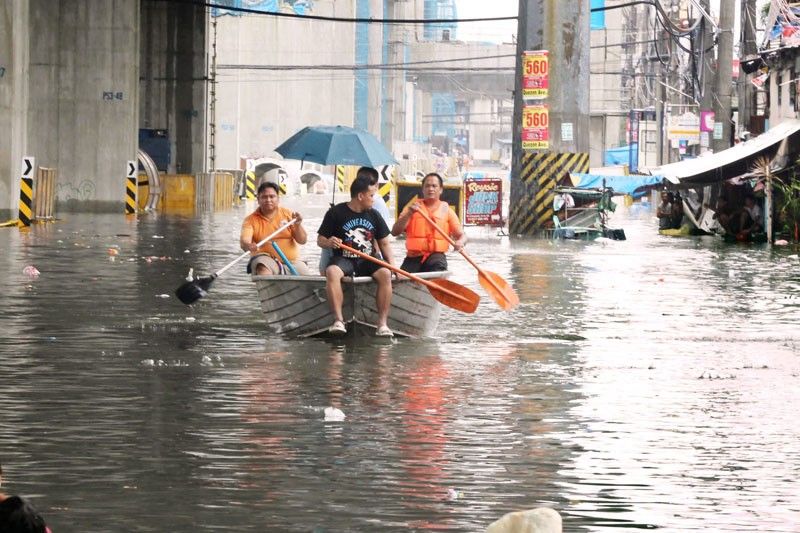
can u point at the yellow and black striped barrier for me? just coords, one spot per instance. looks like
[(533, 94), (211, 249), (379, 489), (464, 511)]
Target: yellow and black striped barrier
[(385, 182), (26, 193), (532, 205), (282, 183), (340, 178), (130, 189), (250, 185)]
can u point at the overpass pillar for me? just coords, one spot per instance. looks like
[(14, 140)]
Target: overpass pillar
[(557, 118), (14, 31)]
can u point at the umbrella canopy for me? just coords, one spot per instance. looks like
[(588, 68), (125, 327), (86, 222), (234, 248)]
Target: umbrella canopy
[(336, 145)]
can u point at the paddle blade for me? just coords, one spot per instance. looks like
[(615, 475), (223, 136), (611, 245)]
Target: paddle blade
[(499, 289), (191, 291), (454, 295)]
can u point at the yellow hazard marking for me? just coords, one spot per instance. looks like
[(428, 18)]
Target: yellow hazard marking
[(539, 175)]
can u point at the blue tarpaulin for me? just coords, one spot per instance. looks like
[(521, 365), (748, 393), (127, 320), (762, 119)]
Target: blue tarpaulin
[(634, 185), (300, 7), (619, 156), (598, 18)]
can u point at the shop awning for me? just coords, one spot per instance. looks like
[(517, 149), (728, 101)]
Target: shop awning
[(734, 161)]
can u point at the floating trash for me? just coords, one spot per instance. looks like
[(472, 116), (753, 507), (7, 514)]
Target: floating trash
[(31, 271), (162, 295), (332, 414), (453, 494)]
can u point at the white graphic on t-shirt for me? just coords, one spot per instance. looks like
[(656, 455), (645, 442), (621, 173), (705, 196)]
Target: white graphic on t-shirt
[(360, 238)]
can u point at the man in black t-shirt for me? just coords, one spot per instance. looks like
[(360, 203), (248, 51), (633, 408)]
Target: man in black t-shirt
[(358, 225)]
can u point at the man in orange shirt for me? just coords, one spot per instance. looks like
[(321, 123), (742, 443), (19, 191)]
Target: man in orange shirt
[(261, 223), (425, 247)]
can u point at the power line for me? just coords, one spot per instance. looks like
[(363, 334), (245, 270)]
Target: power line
[(364, 67), (374, 66), (200, 3)]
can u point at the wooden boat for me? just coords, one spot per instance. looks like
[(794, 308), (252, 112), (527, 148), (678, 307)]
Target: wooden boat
[(297, 306)]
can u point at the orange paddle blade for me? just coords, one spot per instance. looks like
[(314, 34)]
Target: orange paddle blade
[(454, 295), (498, 289)]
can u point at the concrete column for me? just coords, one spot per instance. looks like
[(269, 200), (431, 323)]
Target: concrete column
[(14, 80), (724, 78), (562, 28), (747, 48)]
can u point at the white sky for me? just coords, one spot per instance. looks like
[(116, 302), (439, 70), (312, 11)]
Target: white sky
[(484, 31), (503, 31)]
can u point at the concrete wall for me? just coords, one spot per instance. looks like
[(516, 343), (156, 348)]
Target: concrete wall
[(70, 96), (256, 109), (173, 84)]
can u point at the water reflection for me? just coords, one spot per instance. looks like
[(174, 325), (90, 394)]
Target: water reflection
[(640, 384)]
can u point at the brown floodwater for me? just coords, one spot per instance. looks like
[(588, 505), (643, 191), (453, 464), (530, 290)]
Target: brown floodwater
[(649, 383)]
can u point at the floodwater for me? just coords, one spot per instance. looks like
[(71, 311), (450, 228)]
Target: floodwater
[(650, 383)]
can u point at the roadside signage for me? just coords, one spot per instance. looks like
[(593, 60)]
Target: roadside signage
[(483, 202), (684, 127), (535, 74), (535, 127)]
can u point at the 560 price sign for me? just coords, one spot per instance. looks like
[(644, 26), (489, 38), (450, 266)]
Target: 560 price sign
[(535, 74), (535, 127)]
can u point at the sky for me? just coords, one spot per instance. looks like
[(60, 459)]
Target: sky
[(502, 31), (497, 32)]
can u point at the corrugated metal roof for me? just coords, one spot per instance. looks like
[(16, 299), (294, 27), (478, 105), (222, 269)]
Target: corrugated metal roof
[(734, 161)]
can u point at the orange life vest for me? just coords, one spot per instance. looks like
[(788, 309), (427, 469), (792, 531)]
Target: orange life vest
[(421, 238)]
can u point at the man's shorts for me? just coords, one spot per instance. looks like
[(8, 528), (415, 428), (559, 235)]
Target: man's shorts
[(275, 267), (436, 262), (355, 267)]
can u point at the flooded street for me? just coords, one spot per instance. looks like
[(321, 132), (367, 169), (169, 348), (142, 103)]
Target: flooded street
[(650, 383)]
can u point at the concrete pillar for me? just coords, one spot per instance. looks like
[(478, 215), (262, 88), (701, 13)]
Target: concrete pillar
[(562, 28), (173, 87), (70, 96), (14, 40)]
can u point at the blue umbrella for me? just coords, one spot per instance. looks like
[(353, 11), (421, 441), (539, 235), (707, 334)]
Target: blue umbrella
[(336, 145)]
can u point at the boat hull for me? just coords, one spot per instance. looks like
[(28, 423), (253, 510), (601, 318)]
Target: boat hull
[(297, 306)]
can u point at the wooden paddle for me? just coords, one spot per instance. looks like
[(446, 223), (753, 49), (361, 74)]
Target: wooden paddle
[(445, 291), (496, 286)]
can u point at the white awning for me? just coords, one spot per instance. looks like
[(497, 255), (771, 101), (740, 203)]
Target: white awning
[(735, 161)]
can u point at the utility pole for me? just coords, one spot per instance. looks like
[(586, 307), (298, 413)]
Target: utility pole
[(724, 78), (747, 49), (707, 79), (560, 28)]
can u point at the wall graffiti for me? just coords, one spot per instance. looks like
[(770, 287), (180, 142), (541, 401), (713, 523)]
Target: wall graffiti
[(85, 190)]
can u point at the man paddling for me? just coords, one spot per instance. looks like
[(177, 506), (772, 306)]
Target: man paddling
[(425, 246), (265, 220), (357, 224)]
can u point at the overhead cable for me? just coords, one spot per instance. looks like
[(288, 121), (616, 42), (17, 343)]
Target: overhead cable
[(213, 5)]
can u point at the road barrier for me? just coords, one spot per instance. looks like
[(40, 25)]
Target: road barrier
[(44, 194)]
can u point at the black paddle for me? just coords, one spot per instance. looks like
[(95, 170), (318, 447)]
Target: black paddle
[(196, 288)]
